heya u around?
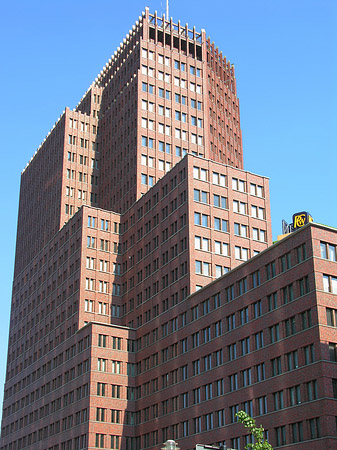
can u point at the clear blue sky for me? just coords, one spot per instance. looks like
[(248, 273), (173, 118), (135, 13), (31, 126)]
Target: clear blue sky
[(284, 52)]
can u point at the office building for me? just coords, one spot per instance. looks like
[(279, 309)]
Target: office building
[(148, 300)]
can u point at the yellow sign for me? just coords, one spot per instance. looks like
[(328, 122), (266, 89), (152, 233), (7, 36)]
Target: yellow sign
[(301, 219)]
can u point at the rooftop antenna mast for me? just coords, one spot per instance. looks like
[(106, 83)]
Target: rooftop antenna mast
[(167, 9)]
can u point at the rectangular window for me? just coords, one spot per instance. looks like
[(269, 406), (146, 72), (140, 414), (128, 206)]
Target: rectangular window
[(294, 395), (278, 400), (220, 224), (330, 284), (328, 251), (241, 253), (239, 207), (276, 366), (331, 317)]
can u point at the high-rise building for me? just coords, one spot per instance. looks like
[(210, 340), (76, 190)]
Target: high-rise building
[(148, 300)]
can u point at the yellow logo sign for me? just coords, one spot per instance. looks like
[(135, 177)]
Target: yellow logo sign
[(300, 220)]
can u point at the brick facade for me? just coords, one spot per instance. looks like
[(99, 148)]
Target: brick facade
[(148, 300)]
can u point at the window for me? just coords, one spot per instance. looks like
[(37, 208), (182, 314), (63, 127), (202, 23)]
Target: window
[(258, 212), (89, 305), (270, 270), (200, 196), (256, 190), (220, 270), (102, 389), (292, 360), (260, 372), (239, 207), (90, 263), (238, 185), (246, 377), (220, 201), (221, 248), (280, 435), (259, 235), (232, 352), (333, 351), (233, 411), (290, 326), (220, 224), (257, 309), (301, 253), (303, 284), (197, 425), (219, 387), (99, 440), (206, 332), (306, 319), (330, 284), (219, 179), (278, 400), (200, 173), (196, 367), (115, 391), (240, 230), (294, 395), (102, 339), (208, 391), (262, 405), (288, 293), (258, 340), (245, 346), (202, 243), (329, 251), (202, 268), (311, 390), (314, 428), (276, 366), (207, 362), (272, 301), (244, 315), (285, 262), (331, 317), (241, 253), (184, 372), (102, 365), (274, 332), (201, 219), (296, 432)]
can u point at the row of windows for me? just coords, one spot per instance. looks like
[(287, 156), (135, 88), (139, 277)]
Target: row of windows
[(84, 126), (288, 362), (147, 105), (221, 202), (257, 341), (79, 442), (82, 177), (287, 292), (91, 284), (103, 265), (167, 147), (239, 185), (165, 60), (84, 143), (75, 395), (103, 307), (166, 77), (107, 441), (93, 222)]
